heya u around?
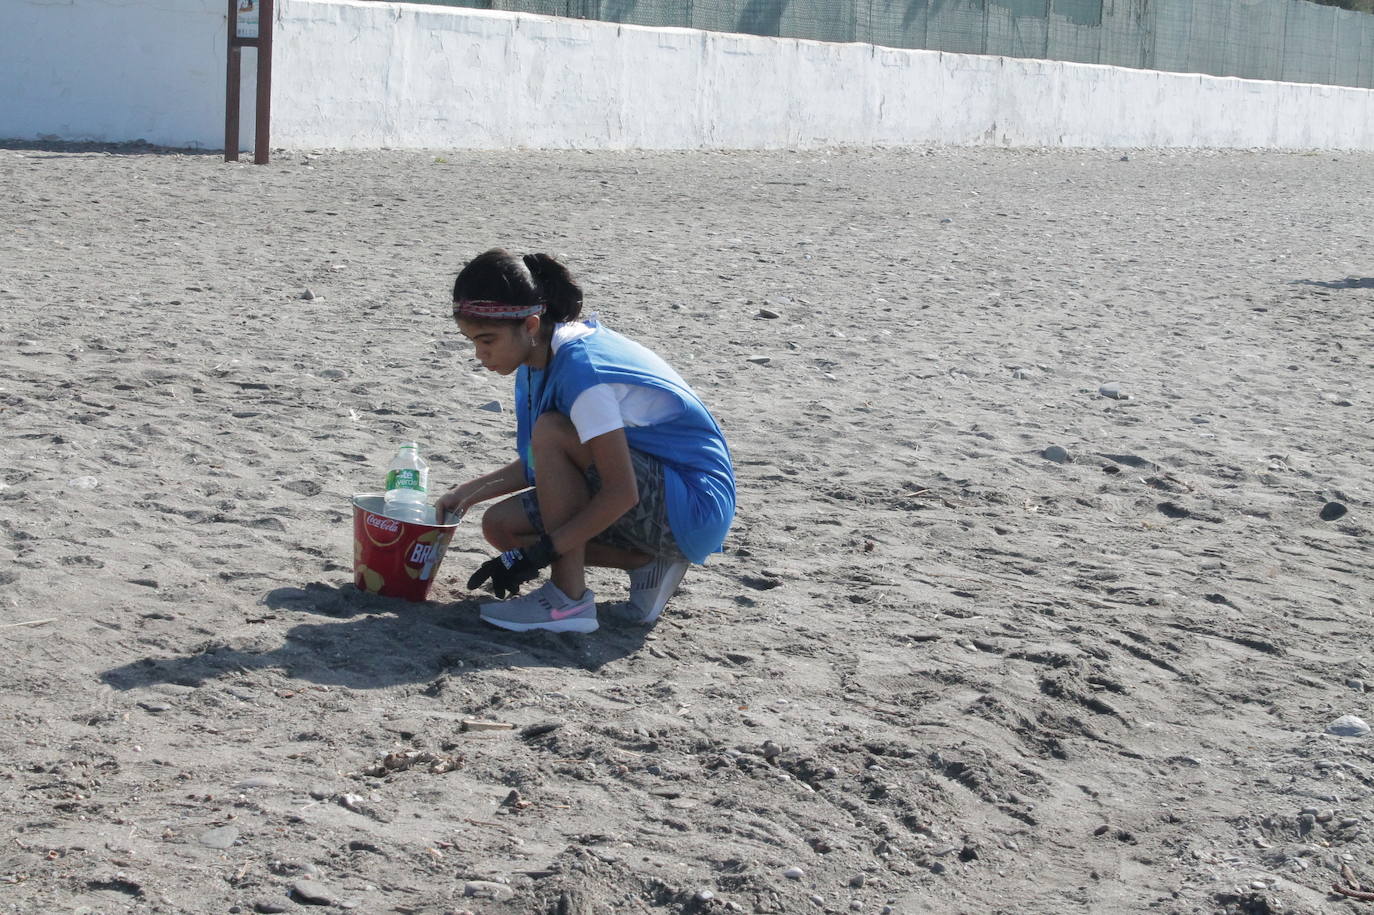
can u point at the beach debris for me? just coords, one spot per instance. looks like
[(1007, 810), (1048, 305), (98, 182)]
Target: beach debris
[(760, 360), (767, 313), (491, 406), (1351, 885), (83, 482), (434, 763), (1332, 511), (478, 724), (1348, 726), (1056, 453), (308, 295), (221, 837), (1112, 389)]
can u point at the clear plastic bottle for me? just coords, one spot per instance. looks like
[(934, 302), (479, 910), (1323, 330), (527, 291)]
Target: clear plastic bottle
[(407, 485)]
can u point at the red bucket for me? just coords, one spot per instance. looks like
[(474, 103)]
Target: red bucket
[(395, 558)]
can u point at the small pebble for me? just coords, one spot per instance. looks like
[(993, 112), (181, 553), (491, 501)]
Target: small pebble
[(491, 406), (1111, 389), (705, 896), (858, 880), (1356, 685), (817, 899), (313, 892), (269, 907), (308, 295), (760, 360), (1056, 453), (1332, 511), (794, 873), (541, 728), (1348, 726), (768, 313)]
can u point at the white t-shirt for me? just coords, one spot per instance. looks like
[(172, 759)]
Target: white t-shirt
[(604, 408)]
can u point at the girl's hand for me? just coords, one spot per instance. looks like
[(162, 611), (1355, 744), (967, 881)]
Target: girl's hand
[(455, 502)]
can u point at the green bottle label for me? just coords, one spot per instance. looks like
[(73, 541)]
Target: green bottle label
[(404, 479)]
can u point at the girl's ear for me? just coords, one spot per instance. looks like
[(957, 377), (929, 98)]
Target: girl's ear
[(532, 325)]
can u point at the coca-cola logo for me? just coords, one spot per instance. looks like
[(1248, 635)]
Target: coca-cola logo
[(386, 524), (381, 530)]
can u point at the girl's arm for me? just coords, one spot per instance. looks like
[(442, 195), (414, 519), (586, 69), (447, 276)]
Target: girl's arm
[(618, 493), (502, 482)]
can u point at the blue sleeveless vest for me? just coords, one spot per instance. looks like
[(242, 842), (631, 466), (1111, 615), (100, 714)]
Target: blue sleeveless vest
[(698, 476)]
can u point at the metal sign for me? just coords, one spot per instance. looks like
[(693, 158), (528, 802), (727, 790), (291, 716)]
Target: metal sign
[(246, 24)]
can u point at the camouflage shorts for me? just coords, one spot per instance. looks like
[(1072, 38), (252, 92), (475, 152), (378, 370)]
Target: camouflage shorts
[(644, 528)]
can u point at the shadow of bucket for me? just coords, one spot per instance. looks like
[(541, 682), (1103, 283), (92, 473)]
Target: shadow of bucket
[(396, 558)]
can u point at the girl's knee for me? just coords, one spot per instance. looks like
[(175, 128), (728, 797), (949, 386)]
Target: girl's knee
[(497, 530)]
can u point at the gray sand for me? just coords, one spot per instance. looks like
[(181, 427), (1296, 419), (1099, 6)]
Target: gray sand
[(934, 670)]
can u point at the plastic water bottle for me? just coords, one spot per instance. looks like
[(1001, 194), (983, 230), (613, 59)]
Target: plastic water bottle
[(407, 482)]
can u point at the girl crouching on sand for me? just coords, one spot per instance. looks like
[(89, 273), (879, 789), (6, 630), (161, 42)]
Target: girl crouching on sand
[(628, 468)]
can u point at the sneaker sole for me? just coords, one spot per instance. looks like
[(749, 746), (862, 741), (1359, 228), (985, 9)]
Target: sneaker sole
[(668, 587), (576, 624)]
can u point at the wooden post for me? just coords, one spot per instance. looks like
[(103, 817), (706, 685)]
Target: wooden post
[(262, 133), (231, 88), (257, 34)]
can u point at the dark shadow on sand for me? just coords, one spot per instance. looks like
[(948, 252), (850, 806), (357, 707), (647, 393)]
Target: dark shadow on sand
[(1350, 282), (372, 642), (67, 149)]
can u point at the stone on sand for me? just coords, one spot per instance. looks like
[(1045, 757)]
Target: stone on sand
[(1348, 726), (1333, 511), (1056, 453)]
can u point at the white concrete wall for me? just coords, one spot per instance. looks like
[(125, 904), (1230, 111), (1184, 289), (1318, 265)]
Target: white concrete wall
[(117, 70), (349, 73)]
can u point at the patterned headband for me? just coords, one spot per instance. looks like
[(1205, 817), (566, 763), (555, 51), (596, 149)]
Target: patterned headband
[(494, 311)]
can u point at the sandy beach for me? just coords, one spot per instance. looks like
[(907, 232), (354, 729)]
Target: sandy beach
[(1037, 600)]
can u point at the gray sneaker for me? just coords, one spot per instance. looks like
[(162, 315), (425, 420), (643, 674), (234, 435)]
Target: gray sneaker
[(546, 607), (653, 584)]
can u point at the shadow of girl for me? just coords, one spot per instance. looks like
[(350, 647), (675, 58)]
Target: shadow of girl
[(383, 643)]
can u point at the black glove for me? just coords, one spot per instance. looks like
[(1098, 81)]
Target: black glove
[(513, 568)]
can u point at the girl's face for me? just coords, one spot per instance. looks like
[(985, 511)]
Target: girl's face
[(502, 346)]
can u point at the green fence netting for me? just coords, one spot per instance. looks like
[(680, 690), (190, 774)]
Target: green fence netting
[(1291, 40)]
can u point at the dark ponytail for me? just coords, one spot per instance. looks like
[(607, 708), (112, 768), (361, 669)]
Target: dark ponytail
[(499, 276), (560, 292)]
